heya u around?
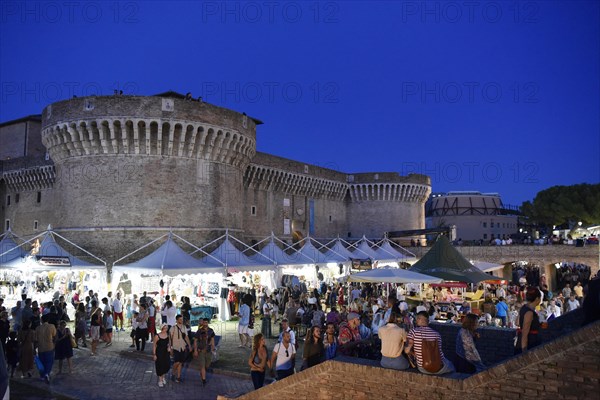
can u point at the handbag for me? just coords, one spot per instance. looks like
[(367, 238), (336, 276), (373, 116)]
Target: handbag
[(73, 342), (432, 361)]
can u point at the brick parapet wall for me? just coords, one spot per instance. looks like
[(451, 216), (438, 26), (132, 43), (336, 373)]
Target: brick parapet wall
[(566, 368), (562, 325), (495, 344)]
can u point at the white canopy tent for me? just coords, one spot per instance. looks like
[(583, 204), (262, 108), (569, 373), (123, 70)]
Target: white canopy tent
[(183, 274), (234, 259), (362, 249), (338, 249), (239, 265), (487, 266), (392, 275), (169, 260), (272, 252), (50, 268), (309, 251), (386, 251), (9, 249), (50, 256)]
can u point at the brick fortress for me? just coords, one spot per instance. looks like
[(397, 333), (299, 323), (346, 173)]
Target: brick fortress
[(113, 172)]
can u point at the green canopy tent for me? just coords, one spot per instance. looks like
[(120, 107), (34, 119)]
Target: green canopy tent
[(444, 261)]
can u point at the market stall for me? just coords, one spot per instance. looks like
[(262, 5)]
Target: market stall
[(245, 275), (320, 267), (49, 270), (170, 270), (444, 261), (340, 269), (9, 277)]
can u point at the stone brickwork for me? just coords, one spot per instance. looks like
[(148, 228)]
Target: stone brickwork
[(21, 138), (566, 368)]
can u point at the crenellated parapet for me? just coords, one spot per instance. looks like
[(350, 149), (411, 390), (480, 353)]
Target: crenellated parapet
[(147, 126), (36, 178), (149, 137), (395, 192), (274, 179)]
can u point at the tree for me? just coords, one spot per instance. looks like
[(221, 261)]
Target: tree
[(565, 204)]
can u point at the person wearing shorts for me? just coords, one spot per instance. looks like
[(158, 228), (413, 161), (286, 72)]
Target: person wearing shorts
[(244, 330), (204, 346), (179, 341)]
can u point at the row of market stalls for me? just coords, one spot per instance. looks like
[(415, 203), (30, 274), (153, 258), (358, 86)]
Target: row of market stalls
[(41, 265), (207, 274)]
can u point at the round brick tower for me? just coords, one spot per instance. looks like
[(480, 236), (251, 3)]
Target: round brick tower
[(132, 163)]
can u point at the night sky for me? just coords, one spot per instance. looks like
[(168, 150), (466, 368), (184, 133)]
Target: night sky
[(495, 97)]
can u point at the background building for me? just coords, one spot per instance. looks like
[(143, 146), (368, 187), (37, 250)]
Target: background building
[(477, 216), (113, 171)]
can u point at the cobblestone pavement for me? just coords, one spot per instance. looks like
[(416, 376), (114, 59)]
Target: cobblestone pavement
[(119, 372)]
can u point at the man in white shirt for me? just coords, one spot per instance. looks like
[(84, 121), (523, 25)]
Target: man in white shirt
[(500, 292), (117, 308), (170, 311), (553, 309), (285, 327), (268, 308), (572, 303)]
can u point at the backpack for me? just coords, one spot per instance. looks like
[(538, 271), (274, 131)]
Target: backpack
[(432, 361)]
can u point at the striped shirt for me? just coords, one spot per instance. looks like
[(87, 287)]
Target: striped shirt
[(418, 335)]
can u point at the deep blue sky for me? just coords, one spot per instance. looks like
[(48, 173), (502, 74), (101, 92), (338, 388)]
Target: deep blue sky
[(502, 97)]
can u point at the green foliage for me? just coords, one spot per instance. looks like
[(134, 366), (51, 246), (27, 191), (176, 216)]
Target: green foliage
[(562, 204)]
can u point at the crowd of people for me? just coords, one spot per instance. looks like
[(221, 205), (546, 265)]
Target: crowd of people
[(391, 330), (36, 334), (367, 320)]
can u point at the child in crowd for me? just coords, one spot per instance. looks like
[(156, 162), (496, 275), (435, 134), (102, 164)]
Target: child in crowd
[(129, 314), (134, 326), (108, 326)]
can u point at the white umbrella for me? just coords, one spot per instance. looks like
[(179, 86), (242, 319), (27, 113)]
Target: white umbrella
[(392, 275)]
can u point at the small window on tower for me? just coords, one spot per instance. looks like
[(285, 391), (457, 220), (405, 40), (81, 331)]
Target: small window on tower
[(35, 225), (39, 197), (253, 210)]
